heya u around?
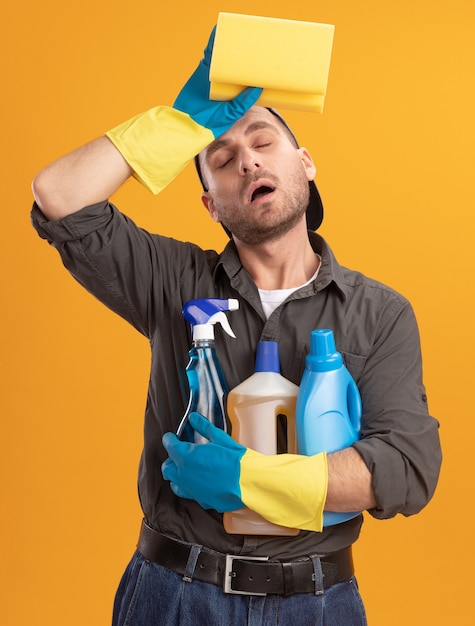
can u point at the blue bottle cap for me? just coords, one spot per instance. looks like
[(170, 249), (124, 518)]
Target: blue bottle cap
[(267, 357), (323, 355)]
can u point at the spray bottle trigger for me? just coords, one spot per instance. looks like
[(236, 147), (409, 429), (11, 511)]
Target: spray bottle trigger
[(220, 318)]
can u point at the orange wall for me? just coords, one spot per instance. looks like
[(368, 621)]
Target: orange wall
[(394, 151)]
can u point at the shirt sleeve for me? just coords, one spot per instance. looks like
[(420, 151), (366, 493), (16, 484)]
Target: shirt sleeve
[(125, 267), (399, 440)]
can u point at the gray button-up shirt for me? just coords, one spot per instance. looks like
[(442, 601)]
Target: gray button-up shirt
[(147, 279)]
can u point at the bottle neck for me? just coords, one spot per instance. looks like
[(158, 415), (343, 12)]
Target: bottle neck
[(203, 343)]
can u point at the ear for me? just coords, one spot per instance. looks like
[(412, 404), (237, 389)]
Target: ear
[(308, 163), (208, 203)]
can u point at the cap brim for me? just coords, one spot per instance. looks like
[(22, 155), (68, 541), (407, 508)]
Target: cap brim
[(315, 207)]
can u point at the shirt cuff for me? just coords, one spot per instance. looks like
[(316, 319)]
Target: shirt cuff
[(73, 226), (389, 476)]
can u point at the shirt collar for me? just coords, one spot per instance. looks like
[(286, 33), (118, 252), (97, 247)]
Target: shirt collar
[(331, 272)]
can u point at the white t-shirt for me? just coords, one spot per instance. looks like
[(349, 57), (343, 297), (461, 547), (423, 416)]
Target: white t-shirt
[(272, 298)]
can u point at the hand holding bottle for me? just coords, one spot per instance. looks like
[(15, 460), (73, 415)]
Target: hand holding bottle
[(286, 489), (207, 473)]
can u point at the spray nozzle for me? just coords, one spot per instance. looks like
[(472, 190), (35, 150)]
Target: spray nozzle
[(205, 312)]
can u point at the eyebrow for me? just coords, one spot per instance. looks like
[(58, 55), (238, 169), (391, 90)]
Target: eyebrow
[(217, 144)]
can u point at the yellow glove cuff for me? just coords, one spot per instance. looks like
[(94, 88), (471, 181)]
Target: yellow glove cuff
[(286, 489), (158, 144)]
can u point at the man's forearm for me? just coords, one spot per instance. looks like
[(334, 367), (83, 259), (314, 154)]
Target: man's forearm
[(86, 176), (349, 483)]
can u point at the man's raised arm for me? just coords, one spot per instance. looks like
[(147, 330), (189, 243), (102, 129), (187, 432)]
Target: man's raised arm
[(86, 176), (153, 146)]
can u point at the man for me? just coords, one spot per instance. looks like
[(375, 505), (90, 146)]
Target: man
[(258, 183)]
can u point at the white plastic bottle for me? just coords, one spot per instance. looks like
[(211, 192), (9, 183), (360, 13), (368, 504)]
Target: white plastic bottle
[(253, 410)]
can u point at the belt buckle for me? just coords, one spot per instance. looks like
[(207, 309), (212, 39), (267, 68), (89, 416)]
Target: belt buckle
[(228, 573)]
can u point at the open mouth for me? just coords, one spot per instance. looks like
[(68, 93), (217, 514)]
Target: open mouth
[(261, 192)]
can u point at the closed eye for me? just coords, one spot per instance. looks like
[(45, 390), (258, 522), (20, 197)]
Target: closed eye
[(223, 164)]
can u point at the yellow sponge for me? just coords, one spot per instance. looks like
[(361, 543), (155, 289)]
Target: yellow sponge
[(290, 59)]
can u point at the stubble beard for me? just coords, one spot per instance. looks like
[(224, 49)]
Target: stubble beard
[(271, 225)]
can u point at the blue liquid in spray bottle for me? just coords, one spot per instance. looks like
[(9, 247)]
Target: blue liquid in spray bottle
[(328, 412), (208, 387)]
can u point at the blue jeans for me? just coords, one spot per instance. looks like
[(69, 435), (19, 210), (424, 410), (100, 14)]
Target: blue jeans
[(150, 595)]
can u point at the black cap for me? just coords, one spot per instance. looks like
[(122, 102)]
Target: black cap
[(315, 206)]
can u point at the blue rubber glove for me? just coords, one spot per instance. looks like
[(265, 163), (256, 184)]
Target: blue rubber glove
[(208, 473), (217, 116), (159, 143), (286, 489)]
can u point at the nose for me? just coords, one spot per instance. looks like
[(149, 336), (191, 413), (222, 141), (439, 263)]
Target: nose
[(249, 161)]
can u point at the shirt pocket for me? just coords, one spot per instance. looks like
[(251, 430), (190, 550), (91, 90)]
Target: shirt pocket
[(355, 364)]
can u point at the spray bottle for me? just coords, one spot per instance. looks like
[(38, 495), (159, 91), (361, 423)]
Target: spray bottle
[(254, 408), (208, 387), (328, 413)]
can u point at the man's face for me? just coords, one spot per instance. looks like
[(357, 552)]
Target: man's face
[(257, 179)]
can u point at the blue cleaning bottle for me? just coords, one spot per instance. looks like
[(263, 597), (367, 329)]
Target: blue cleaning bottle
[(208, 387), (328, 412)]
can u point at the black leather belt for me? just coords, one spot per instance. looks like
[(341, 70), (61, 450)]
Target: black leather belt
[(241, 574)]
